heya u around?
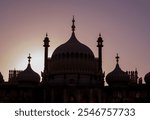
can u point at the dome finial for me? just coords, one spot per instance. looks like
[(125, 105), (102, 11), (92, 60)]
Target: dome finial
[(117, 58), (99, 34), (46, 35), (73, 26), (29, 58)]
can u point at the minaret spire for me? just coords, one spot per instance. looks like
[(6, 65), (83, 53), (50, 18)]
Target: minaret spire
[(117, 58), (100, 45), (46, 46), (29, 58), (99, 34), (100, 70), (46, 35), (73, 25)]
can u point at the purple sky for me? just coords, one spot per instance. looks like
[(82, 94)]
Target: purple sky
[(124, 25)]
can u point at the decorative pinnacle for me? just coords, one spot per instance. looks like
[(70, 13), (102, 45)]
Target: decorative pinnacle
[(46, 35), (73, 26), (99, 34), (100, 38), (100, 41), (117, 58), (29, 58)]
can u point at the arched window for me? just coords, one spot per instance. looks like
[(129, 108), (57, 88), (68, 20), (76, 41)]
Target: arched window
[(81, 55), (72, 55), (63, 55), (59, 56), (67, 55), (85, 55), (77, 55)]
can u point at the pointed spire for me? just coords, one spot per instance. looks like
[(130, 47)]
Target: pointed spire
[(100, 41), (117, 58), (46, 35), (100, 38), (73, 26), (29, 58), (46, 41), (99, 34)]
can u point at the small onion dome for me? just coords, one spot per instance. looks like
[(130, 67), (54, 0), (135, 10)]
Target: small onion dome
[(28, 75), (1, 78), (147, 78), (117, 76)]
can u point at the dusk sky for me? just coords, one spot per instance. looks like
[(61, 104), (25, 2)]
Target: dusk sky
[(124, 25)]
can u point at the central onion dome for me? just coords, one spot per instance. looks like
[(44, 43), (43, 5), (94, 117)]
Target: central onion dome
[(72, 57), (28, 75), (117, 76), (73, 46)]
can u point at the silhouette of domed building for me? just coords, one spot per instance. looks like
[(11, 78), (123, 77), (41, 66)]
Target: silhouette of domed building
[(74, 66), (118, 77), (73, 63), (74, 74), (28, 76)]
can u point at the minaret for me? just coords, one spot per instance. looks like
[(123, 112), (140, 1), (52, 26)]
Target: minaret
[(46, 45), (100, 45)]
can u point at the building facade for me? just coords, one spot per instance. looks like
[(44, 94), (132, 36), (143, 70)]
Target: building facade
[(74, 74)]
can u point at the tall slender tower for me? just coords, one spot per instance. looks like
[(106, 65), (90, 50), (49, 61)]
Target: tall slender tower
[(100, 71), (100, 45), (46, 45)]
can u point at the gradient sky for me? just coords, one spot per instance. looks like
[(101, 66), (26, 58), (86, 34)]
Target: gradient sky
[(124, 25)]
